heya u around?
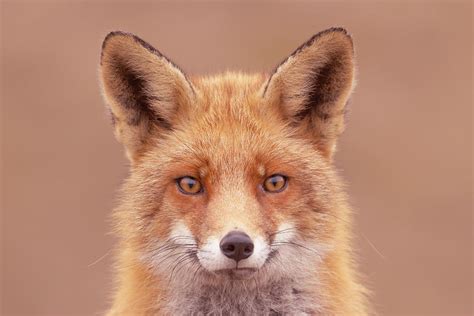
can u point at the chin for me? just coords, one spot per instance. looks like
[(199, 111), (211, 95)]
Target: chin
[(237, 273)]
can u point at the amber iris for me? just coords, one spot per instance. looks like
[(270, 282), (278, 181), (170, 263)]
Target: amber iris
[(275, 183), (189, 185)]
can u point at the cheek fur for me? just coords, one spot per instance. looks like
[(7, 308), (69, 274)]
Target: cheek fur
[(180, 234)]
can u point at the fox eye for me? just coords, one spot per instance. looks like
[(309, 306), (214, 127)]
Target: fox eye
[(189, 185), (275, 183)]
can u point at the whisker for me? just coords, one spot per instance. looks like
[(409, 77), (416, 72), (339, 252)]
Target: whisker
[(373, 247), (96, 261), (298, 245), (177, 254), (377, 251), (286, 230), (180, 263), (170, 247), (199, 267)]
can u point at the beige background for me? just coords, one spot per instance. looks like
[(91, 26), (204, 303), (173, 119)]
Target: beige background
[(406, 154)]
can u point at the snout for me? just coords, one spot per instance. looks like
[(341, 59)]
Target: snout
[(236, 245), (237, 250)]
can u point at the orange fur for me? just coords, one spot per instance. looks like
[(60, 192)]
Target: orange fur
[(231, 132)]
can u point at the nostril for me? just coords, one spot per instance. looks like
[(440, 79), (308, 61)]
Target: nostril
[(248, 250), (237, 245), (230, 248)]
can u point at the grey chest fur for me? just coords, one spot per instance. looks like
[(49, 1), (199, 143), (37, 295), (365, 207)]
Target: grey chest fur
[(279, 298)]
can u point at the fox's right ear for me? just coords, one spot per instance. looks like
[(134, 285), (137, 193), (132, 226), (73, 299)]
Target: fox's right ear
[(142, 88)]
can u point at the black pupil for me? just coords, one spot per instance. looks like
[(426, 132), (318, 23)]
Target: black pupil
[(276, 182), (191, 183)]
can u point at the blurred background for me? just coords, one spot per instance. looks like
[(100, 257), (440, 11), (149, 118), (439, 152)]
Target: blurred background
[(406, 154)]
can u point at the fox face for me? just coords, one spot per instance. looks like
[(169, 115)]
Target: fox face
[(231, 180)]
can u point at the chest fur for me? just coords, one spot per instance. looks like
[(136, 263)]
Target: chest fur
[(251, 298)]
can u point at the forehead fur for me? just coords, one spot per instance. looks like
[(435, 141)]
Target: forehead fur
[(231, 100), (228, 118)]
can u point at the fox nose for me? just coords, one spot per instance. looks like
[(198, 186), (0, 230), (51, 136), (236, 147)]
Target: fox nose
[(237, 245)]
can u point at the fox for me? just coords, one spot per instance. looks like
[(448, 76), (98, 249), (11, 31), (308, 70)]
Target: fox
[(233, 204)]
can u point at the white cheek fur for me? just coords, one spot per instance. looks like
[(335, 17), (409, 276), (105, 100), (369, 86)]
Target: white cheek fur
[(260, 254), (180, 234), (211, 257), (284, 233)]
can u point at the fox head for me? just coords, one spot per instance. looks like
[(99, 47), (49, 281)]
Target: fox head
[(231, 175)]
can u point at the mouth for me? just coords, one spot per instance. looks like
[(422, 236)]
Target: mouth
[(237, 273)]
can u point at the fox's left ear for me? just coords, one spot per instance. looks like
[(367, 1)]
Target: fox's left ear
[(313, 85)]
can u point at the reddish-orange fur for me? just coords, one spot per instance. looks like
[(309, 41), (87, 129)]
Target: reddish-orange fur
[(231, 132)]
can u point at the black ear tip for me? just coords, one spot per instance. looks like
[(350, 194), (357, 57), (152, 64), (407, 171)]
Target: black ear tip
[(107, 39), (339, 29), (114, 34), (345, 36), (333, 30), (130, 36)]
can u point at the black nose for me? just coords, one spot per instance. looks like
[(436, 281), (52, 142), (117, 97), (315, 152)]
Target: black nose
[(237, 245)]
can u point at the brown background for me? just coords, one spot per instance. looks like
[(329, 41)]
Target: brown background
[(406, 154)]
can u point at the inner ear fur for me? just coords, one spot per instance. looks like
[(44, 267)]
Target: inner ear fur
[(313, 85), (143, 88)]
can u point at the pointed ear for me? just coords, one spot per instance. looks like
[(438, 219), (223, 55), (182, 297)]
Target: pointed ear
[(143, 89), (313, 85)]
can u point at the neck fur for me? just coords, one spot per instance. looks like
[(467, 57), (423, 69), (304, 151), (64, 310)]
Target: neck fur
[(265, 293)]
